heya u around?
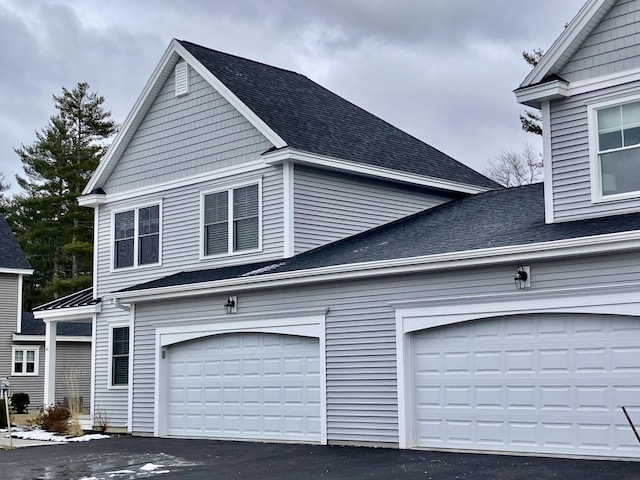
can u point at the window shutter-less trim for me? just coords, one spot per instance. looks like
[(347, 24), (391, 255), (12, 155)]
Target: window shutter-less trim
[(182, 79)]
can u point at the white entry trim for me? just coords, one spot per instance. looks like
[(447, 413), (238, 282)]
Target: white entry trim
[(306, 324), (623, 299)]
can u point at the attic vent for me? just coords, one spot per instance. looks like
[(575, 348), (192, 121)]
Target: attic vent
[(182, 79)]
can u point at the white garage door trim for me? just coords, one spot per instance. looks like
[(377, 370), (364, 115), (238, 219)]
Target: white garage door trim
[(308, 323), (423, 314)]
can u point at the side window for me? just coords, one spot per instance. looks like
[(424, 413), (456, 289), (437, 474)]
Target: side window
[(136, 236), (120, 356), (617, 161), (231, 220), (25, 361)]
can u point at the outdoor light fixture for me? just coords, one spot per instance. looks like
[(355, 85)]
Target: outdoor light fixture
[(522, 278), (232, 304)]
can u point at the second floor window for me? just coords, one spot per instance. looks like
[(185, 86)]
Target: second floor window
[(137, 237), (232, 220), (619, 148)]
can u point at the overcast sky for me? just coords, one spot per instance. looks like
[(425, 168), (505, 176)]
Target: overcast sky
[(442, 70)]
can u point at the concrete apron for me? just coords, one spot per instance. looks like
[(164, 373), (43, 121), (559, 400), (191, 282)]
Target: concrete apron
[(6, 443)]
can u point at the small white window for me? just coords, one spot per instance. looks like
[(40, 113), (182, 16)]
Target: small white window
[(615, 137), (182, 78), (232, 220), (136, 237), (25, 360)]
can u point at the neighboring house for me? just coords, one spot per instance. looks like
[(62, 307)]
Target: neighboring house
[(274, 263), (22, 337), (14, 265)]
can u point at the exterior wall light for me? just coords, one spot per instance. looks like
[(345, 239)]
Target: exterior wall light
[(232, 304), (522, 278)]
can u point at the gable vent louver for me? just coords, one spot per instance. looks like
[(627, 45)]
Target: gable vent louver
[(182, 79)]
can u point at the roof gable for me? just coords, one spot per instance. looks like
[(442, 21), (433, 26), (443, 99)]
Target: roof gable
[(11, 255), (292, 111), (569, 42)]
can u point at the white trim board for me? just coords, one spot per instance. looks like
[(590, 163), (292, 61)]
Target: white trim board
[(302, 323), (415, 316), (489, 256)]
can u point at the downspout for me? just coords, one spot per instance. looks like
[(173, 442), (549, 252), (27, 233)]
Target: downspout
[(121, 306)]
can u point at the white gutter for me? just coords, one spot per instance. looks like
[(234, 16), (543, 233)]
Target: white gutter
[(17, 271), (607, 243)]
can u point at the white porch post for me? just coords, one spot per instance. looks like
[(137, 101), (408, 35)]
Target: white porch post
[(50, 362)]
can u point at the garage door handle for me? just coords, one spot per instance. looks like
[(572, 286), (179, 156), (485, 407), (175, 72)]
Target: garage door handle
[(631, 423)]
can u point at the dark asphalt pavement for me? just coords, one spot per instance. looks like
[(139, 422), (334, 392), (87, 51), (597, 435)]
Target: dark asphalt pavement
[(123, 457)]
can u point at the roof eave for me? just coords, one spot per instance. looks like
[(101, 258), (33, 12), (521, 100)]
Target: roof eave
[(71, 314), (596, 244), (569, 41), (300, 157), (535, 95), (16, 271)]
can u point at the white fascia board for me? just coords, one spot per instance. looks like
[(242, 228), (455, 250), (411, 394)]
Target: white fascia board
[(300, 157), (222, 89), (75, 314), (16, 271), (140, 107), (537, 94), (156, 188), (59, 338), (92, 200), (597, 244), (584, 21)]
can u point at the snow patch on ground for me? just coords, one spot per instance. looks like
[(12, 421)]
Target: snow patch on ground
[(44, 436)]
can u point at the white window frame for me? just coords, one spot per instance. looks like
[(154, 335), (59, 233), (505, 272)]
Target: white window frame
[(136, 238), (229, 189), (594, 158), (24, 349), (110, 385)]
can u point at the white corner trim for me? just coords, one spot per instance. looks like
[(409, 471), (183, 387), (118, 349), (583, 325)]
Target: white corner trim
[(19, 305), (414, 316), (298, 156), (288, 192), (608, 243), (94, 322), (132, 351), (547, 162)]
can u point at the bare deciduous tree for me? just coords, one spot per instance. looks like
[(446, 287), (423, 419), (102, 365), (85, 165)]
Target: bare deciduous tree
[(512, 169)]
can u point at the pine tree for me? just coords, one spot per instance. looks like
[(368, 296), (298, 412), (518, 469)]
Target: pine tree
[(531, 121), (55, 233)]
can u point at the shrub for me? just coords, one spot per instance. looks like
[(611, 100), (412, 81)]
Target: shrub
[(3, 414), (20, 401), (54, 418)]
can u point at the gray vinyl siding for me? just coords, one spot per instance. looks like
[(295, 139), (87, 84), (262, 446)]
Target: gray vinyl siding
[(360, 331), (329, 206), (183, 136), (8, 319), (570, 157), (611, 48)]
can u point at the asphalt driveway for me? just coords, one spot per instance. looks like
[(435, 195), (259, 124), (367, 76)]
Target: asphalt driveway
[(140, 458)]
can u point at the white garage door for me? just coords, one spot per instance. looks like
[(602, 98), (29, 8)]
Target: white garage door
[(245, 386), (542, 384)]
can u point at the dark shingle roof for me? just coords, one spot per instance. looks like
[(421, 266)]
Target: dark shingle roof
[(33, 326), (11, 255), (498, 218), (309, 117), (82, 298)]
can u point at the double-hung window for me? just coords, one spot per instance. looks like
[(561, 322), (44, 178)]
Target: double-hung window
[(120, 356), (617, 149), (136, 237), (25, 360), (231, 220)]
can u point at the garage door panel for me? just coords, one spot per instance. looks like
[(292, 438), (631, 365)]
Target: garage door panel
[(544, 384), (256, 386)]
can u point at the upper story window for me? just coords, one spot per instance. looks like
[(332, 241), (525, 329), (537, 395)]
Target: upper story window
[(136, 237), (232, 220), (25, 360), (616, 153)]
